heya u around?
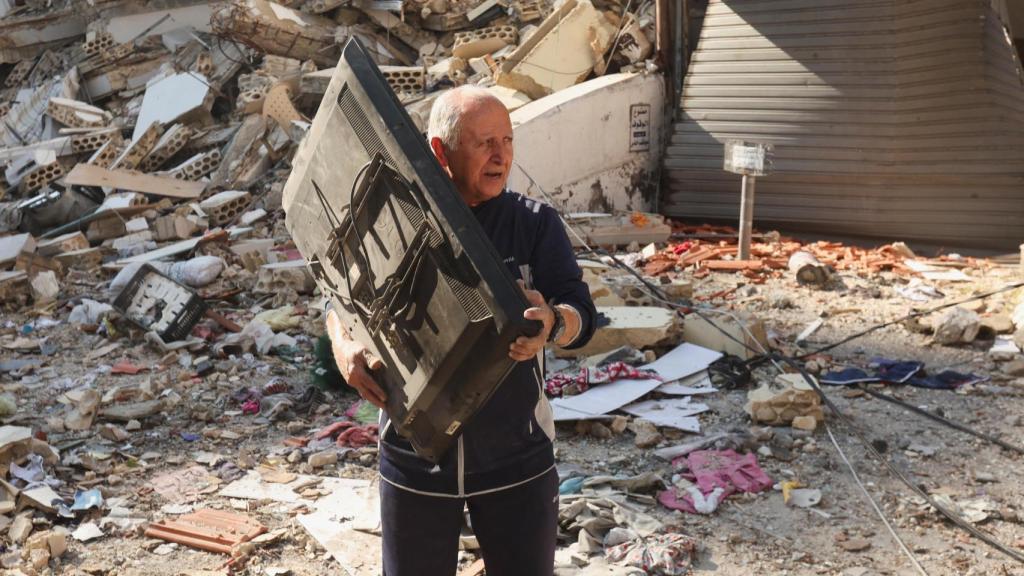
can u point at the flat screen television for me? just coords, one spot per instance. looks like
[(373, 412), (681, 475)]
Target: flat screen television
[(402, 258)]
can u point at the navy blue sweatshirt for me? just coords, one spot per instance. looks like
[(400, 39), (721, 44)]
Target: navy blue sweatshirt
[(509, 441)]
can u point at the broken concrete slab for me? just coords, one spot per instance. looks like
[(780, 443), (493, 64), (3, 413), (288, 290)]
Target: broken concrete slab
[(594, 174), (636, 326), (185, 98), (12, 246), (125, 21), (561, 53), (744, 328), (617, 229)]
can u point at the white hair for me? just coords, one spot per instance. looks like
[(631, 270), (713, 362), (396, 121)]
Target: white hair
[(446, 113)]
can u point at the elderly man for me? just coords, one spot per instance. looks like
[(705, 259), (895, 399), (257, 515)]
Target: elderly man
[(502, 468)]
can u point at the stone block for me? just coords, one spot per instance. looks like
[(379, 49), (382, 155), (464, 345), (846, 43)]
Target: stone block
[(173, 227), (789, 398), (104, 229), (64, 243), (745, 328), (636, 326)]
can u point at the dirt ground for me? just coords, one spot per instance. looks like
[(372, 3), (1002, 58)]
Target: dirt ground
[(748, 534)]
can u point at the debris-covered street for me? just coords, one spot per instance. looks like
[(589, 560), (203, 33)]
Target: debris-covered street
[(169, 401)]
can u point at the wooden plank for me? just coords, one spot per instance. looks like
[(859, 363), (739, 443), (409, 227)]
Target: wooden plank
[(90, 175)]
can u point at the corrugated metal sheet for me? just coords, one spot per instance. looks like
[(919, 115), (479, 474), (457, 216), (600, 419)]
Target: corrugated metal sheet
[(901, 119)]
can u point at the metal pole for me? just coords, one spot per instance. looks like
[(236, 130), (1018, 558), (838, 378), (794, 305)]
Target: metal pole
[(746, 216)]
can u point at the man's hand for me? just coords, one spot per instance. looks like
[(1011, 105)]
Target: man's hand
[(355, 362), (526, 347)]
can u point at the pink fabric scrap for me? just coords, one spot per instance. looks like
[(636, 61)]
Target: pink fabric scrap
[(251, 406), (349, 434), (710, 469), (559, 385)]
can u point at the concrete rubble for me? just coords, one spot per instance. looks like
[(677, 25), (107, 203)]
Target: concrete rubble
[(162, 359)]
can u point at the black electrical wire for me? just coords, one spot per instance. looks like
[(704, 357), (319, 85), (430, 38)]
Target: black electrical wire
[(941, 420), (956, 519), (910, 316), (660, 295)]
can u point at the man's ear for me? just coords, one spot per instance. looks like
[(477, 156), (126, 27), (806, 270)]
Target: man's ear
[(439, 152)]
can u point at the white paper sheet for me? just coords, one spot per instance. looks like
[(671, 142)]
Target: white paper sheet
[(685, 360), (673, 412), (699, 383)]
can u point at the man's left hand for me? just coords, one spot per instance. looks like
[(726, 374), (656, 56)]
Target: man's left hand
[(525, 348)]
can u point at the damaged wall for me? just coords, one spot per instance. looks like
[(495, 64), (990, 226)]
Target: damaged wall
[(585, 145), (899, 119)]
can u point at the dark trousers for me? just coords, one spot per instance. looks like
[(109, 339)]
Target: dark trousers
[(515, 527)]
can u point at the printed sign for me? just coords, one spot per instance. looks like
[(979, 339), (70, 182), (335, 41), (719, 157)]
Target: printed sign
[(749, 158), (639, 127)]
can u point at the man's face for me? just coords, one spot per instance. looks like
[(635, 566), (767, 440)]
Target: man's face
[(480, 165)]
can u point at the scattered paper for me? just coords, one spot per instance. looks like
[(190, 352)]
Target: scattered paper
[(685, 360), (699, 383), (937, 273), (673, 412)]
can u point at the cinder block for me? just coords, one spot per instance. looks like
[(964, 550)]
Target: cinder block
[(405, 79), (40, 177), (106, 154), (77, 114), (477, 43), (172, 142), (94, 140), (197, 166), (137, 151), (19, 73), (221, 208), (97, 43), (293, 274)]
